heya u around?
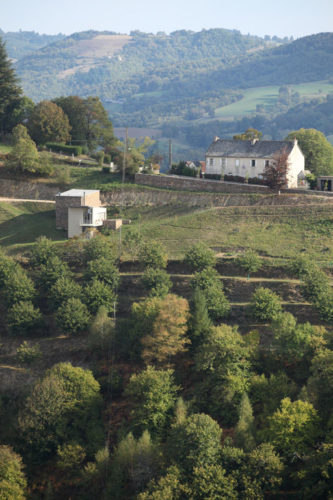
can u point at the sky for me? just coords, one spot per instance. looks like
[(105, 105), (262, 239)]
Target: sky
[(258, 17)]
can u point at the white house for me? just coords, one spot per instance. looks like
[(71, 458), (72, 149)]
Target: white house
[(79, 209), (248, 159)]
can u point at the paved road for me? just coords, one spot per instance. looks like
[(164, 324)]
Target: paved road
[(23, 199)]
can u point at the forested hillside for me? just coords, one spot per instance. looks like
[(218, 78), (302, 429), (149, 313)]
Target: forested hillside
[(22, 43)]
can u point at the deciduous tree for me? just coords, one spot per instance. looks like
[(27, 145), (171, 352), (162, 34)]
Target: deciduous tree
[(48, 123)]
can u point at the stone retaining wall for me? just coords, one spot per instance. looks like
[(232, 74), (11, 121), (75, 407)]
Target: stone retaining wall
[(192, 184)]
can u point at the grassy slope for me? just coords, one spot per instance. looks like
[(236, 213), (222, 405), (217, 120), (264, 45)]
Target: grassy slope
[(269, 96), (22, 223)]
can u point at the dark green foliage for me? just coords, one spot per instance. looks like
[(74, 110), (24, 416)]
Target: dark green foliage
[(13, 483), (42, 250), (23, 318), (64, 406), (209, 282), (320, 383), (64, 288), (64, 148), (7, 267), (199, 323), (265, 304), (316, 478), (195, 442), (51, 271), (10, 95), (211, 482), (223, 362), (19, 287), (244, 432), (249, 261), (105, 270), (98, 294), (100, 247), (72, 316), (199, 257), (156, 281), (153, 393), (48, 123), (153, 254), (28, 354), (182, 169)]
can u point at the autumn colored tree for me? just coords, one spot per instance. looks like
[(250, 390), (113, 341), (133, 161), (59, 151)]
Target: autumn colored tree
[(48, 123), (13, 483), (168, 335), (248, 135), (276, 172)]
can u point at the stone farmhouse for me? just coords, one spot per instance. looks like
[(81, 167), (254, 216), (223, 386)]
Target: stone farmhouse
[(248, 159)]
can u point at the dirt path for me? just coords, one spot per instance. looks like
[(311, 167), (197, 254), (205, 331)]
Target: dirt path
[(20, 200)]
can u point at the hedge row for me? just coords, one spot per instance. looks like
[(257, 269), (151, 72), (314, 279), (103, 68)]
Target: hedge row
[(67, 150)]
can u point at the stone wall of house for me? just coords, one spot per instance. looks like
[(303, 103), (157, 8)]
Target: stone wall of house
[(193, 184), (62, 205)]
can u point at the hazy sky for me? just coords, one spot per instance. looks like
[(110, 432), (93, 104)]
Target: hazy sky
[(258, 17)]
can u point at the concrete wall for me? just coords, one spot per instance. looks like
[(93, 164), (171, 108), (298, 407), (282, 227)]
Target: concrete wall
[(191, 184), (75, 216)]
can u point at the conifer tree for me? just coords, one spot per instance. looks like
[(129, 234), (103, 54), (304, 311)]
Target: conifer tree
[(245, 425), (199, 322), (10, 92)]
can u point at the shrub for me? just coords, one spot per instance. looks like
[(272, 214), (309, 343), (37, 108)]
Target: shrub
[(100, 247), (19, 287), (73, 316), (63, 148), (28, 354), (199, 257), (52, 270), (104, 269), (7, 267), (42, 251), (208, 280), (265, 304), (106, 170), (107, 159), (250, 261), (63, 289), (98, 294), (214, 177), (153, 254), (23, 317), (156, 281), (234, 178)]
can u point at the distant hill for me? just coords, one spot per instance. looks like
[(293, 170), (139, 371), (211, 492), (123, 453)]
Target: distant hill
[(22, 43)]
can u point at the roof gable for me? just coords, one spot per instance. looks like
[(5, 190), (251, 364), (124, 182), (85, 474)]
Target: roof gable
[(248, 149)]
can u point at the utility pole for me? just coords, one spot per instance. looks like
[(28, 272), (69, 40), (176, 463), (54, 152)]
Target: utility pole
[(170, 154), (125, 154)]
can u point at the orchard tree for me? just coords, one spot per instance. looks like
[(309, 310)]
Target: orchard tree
[(132, 242), (317, 150), (13, 483), (320, 383), (23, 318), (100, 247), (208, 280), (42, 251), (104, 269), (51, 271), (48, 123), (72, 316), (265, 304), (199, 323), (153, 254), (98, 294), (199, 257), (156, 281), (276, 172), (64, 288), (19, 287), (250, 262)]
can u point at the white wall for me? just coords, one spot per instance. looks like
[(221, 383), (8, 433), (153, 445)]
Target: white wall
[(295, 166), (75, 216)]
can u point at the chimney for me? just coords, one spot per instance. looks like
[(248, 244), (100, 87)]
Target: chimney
[(295, 141), (253, 141), (216, 139)]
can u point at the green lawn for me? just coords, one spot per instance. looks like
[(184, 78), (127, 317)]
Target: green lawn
[(22, 223), (4, 148), (268, 96)]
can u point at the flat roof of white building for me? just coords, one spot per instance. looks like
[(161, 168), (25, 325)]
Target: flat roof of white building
[(78, 192)]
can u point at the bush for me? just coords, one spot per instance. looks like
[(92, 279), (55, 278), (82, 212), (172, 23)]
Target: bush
[(213, 177), (104, 270), (250, 261), (73, 316), (153, 254), (19, 287), (265, 304), (28, 354), (156, 281), (106, 170), (199, 257), (234, 178), (23, 317), (63, 148), (98, 294), (42, 251), (100, 247), (63, 289), (107, 159)]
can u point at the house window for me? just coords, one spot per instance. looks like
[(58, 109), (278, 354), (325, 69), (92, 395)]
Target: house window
[(253, 163), (211, 161), (237, 163), (224, 162), (266, 163)]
